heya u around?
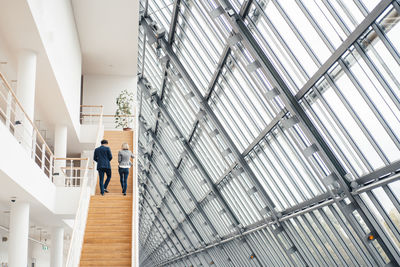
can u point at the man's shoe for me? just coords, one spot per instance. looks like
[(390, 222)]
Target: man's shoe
[(102, 194), (105, 190), (124, 194)]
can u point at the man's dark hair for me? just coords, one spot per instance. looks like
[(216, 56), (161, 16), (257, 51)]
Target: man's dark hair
[(104, 142)]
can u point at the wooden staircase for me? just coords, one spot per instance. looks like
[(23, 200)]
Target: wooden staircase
[(108, 231)]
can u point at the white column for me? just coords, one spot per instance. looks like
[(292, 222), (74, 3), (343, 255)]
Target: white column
[(19, 230), (60, 151), (57, 247), (26, 80)]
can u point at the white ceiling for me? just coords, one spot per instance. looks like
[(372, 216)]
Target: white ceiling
[(108, 32)]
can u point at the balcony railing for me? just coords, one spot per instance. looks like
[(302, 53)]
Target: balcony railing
[(90, 115), (69, 172), (14, 117), (66, 172)]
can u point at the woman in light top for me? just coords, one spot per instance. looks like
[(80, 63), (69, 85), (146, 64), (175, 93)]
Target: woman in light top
[(124, 161)]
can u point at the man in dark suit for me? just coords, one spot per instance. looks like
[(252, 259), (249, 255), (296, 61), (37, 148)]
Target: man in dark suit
[(103, 156)]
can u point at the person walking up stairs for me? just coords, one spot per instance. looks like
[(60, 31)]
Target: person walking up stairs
[(108, 232)]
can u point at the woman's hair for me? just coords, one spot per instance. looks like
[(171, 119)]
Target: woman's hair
[(125, 146)]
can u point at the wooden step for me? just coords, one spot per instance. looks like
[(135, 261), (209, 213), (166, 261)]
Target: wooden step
[(107, 262), (122, 257), (121, 235)]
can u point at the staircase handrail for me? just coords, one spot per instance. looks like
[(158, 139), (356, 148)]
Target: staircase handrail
[(88, 189), (78, 231)]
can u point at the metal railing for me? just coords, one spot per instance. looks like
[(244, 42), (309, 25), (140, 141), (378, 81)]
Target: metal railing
[(21, 126), (90, 114), (71, 171)]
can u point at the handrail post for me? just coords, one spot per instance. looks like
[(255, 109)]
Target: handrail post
[(43, 163), (51, 164), (71, 167), (8, 109), (33, 149)]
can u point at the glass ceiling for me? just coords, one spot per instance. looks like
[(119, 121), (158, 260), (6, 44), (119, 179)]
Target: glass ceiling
[(269, 133)]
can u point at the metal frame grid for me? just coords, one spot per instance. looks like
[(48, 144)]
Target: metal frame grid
[(269, 133)]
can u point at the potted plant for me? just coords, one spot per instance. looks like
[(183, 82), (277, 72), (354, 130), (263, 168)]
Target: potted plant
[(123, 114)]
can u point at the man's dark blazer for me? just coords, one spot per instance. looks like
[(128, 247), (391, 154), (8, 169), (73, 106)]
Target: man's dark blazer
[(102, 155)]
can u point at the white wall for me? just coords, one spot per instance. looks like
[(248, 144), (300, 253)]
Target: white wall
[(8, 63), (103, 90), (56, 25), (30, 178), (38, 255), (67, 201), (3, 248), (35, 253)]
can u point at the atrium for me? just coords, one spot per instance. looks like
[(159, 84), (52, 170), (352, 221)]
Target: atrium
[(259, 133)]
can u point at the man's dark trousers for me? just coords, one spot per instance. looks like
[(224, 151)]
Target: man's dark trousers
[(102, 155), (101, 178)]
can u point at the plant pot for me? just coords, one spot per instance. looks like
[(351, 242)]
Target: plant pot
[(127, 129)]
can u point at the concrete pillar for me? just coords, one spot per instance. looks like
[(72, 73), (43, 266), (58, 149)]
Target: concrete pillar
[(26, 80), (57, 247), (19, 230), (60, 151)]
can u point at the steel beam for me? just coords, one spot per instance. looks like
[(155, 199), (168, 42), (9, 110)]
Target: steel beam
[(245, 8), (174, 21), (218, 70), (278, 117)]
